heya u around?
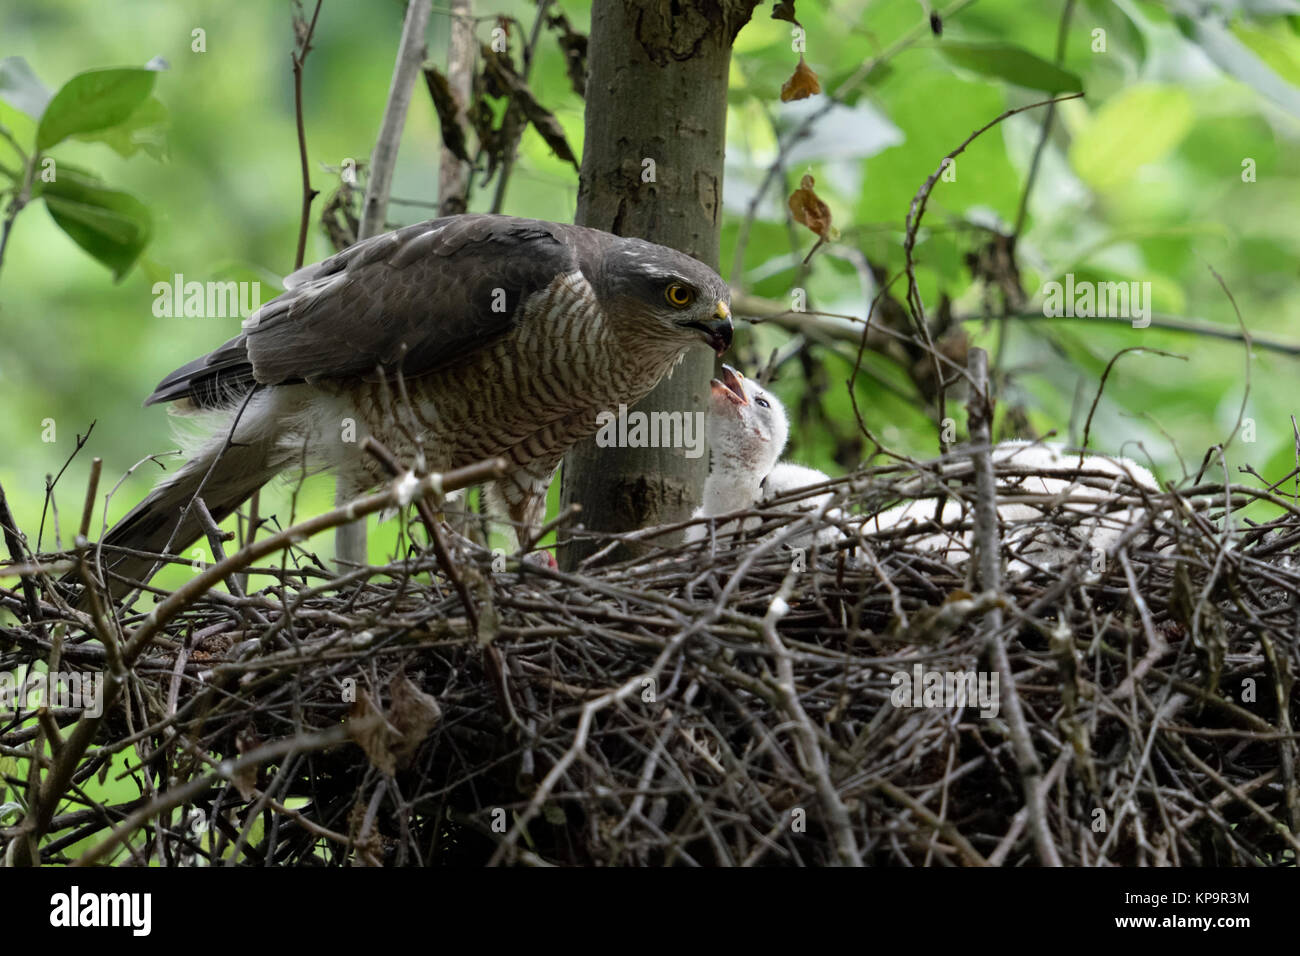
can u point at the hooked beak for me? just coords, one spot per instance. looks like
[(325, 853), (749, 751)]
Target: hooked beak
[(717, 331), (730, 387)]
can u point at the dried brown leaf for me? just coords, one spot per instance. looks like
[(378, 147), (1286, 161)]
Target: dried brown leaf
[(784, 10), (369, 851), (245, 779), (413, 714), (372, 736), (500, 75), (449, 109), (802, 84), (574, 47), (809, 210)]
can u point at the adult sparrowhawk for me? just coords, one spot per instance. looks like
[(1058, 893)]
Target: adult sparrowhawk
[(510, 337)]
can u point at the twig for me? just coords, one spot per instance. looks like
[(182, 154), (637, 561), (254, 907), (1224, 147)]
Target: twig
[(215, 538), (1062, 33), (980, 412), (810, 751), (14, 542), (751, 307), (383, 160), (19, 201), (308, 194), (430, 520), (1101, 386), (1167, 323), (39, 814), (852, 82), (1245, 335), (512, 111), (916, 211), (49, 488), (178, 796), (92, 487)]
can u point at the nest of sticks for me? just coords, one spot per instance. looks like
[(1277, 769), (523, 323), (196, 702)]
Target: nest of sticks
[(727, 702)]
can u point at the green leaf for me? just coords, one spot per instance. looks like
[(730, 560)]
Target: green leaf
[(1236, 59), (146, 129), (1012, 64), (94, 100), (1139, 126), (1121, 32), (112, 226), (1280, 52), (23, 129), (21, 88)]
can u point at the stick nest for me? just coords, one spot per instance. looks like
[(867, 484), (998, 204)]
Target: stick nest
[(728, 702)]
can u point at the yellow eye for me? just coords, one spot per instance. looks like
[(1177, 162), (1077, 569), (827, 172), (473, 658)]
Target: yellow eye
[(679, 296)]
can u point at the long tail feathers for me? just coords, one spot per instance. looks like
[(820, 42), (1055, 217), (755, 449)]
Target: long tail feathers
[(166, 522)]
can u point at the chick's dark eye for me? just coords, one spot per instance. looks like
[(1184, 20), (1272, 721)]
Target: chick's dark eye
[(679, 296), (761, 403)]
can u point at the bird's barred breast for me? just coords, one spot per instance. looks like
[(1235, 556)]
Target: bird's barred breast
[(533, 393)]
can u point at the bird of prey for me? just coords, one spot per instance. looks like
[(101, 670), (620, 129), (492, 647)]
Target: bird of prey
[(510, 337)]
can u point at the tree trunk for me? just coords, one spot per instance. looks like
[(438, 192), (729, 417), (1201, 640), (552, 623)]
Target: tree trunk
[(652, 168)]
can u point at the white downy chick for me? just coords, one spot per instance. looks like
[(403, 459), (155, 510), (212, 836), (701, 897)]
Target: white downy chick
[(748, 430), (1100, 531), (785, 478)]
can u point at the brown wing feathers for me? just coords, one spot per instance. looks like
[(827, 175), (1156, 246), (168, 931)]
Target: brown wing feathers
[(432, 292)]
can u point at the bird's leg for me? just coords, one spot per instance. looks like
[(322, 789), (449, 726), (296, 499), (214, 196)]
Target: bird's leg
[(349, 539), (526, 518), (522, 500)]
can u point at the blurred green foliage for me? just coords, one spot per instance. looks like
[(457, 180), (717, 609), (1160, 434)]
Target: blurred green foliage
[(1142, 180), (1181, 157)]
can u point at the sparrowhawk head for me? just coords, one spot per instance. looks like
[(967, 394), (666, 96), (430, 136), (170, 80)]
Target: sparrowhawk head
[(665, 293), (747, 427)]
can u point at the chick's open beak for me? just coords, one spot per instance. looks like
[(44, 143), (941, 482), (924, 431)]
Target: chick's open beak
[(730, 387), (717, 331)]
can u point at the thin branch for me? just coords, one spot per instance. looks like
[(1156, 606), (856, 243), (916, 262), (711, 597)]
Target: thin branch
[(859, 76), (15, 542), (308, 194), (408, 488), (980, 411), (512, 112), (1101, 386), (16, 205), (383, 160), (1044, 131), (915, 212)]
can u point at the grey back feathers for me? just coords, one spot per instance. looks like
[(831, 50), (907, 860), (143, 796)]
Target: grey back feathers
[(422, 297)]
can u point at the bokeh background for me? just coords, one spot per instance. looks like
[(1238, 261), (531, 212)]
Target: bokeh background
[(1142, 180)]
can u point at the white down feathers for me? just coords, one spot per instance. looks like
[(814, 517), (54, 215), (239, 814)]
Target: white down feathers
[(748, 429)]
